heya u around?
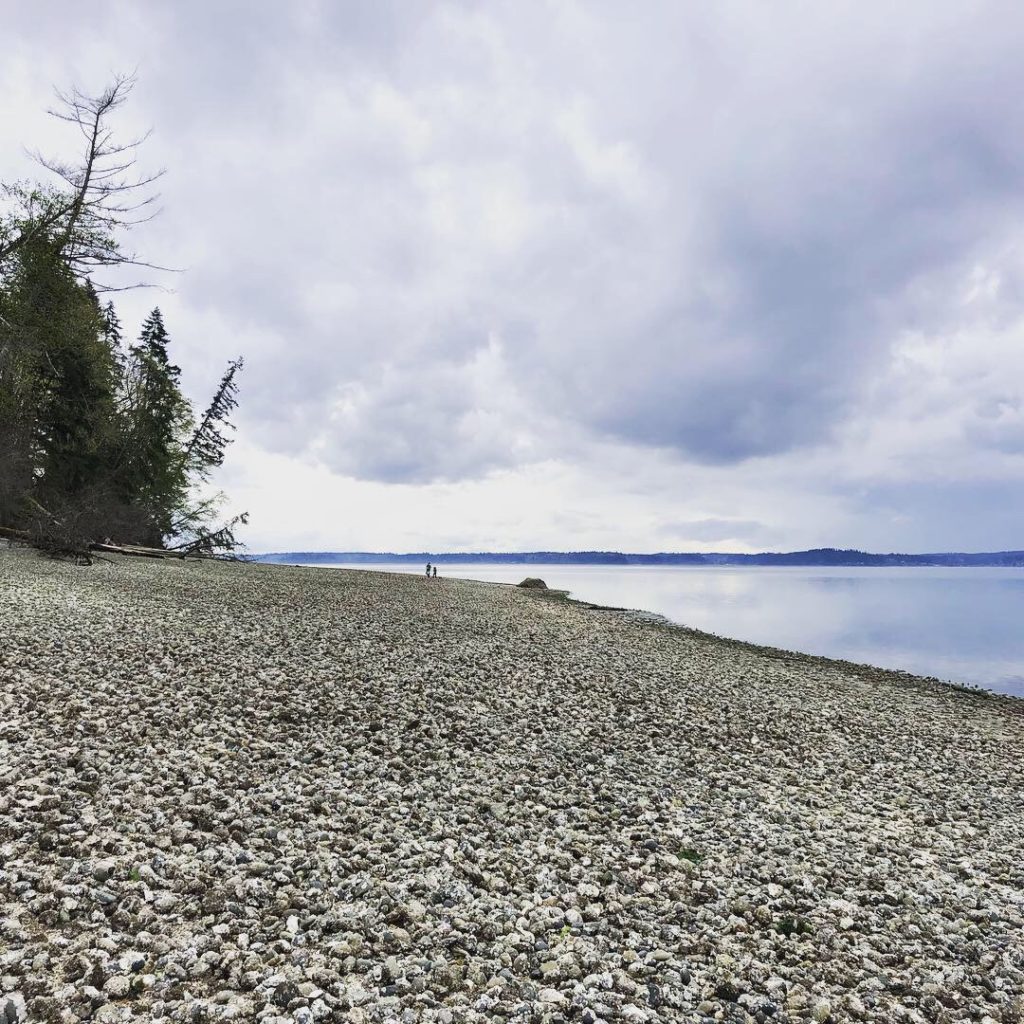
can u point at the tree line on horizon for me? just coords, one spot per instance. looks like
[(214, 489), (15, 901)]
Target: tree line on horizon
[(98, 442), (821, 557)]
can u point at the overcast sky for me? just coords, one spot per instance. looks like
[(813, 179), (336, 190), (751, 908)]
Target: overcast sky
[(657, 276)]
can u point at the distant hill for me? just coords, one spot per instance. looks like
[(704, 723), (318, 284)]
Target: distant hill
[(816, 556)]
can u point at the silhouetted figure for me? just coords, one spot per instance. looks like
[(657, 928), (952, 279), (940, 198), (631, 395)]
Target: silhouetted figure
[(428, 571), (435, 572)]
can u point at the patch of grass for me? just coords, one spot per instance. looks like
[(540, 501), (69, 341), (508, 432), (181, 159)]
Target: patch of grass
[(690, 854)]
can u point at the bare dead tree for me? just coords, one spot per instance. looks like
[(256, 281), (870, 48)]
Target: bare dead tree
[(101, 194)]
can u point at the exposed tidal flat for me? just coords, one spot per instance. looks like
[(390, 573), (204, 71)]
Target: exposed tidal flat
[(280, 793)]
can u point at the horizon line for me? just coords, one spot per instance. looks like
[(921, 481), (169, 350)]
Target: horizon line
[(641, 554)]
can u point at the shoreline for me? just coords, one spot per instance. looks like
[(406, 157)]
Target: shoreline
[(903, 676), (244, 791)]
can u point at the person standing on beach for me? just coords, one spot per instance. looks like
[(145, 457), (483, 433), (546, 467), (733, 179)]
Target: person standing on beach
[(435, 572), (428, 571)]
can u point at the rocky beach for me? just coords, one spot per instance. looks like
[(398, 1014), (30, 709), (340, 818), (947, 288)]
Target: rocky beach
[(270, 793)]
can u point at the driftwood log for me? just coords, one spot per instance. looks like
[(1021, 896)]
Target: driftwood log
[(137, 550)]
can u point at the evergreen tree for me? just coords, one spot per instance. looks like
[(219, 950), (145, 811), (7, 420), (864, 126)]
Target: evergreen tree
[(18, 404), (206, 448), (95, 441), (156, 419), (68, 374), (112, 336)]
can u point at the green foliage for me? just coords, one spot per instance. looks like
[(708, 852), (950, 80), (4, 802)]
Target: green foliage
[(56, 378), (99, 442), (205, 449), (154, 422)]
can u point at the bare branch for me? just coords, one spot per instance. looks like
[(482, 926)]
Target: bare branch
[(101, 194)]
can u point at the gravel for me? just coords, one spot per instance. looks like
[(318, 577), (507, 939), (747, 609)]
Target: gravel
[(267, 793)]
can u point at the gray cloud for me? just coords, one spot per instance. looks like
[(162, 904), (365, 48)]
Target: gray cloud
[(442, 420), (717, 530), (923, 516), (706, 244), (459, 238), (819, 211)]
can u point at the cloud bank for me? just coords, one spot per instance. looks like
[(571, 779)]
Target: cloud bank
[(680, 275)]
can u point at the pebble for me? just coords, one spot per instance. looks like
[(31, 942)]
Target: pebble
[(280, 794), (118, 986), (12, 1008)]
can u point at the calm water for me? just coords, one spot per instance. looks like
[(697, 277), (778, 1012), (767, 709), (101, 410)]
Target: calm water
[(961, 624)]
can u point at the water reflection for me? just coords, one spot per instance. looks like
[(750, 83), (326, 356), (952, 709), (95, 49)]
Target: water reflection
[(961, 624)]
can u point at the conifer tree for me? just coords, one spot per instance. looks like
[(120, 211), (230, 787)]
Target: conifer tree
[(112, 335), (71, 376), (153, 476), (96, 441), (18, 403), (206, 448)]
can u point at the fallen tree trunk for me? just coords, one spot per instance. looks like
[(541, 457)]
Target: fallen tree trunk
[(137, 550)]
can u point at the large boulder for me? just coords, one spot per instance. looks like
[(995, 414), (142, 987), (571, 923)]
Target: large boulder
[(532, 583)]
